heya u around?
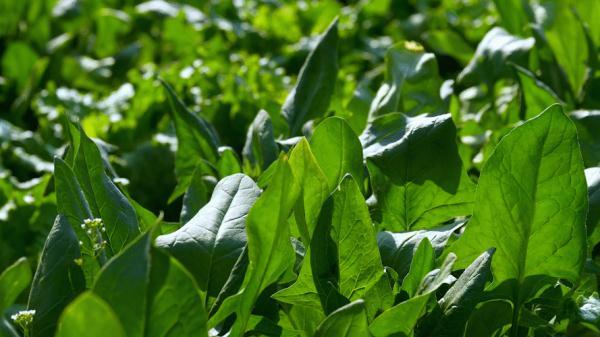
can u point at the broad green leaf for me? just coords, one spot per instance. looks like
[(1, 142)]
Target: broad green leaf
[(196, 140), (537, 95), (58, 279), (588, 124), (566, 38), (314, 189), (175, 305), (343, 253), (491, 58), (210, 243), (460, 300), (13, 281), (531, 205), (398, 249), (592, 176), (403, 317), (311, 95), (88, 315), (123, 284), (337, 150), (422, 263), (411, 85), (269, 248), (105, 200), (347, 321), (410, 191), (260, 149)]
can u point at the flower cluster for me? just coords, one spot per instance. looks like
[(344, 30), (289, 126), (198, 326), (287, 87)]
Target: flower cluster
[(23, 318), (93, 229)]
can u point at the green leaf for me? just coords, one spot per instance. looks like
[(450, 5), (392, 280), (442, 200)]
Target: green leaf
[(566, 38), (398, 249), (210, 243), (58, 279), (337, 150), (411, 85), (196, 138), (450, 43), (410, 191), (531, 205), (269, 248), (592, 176), (123, 284), (260, 148), (491, 58), (228, 162), (513, 15), (175, 305), (403, 317), (314, 189), (105, 200), (460, 300), (349, 320), (537, 95), (343, 253), (588, 122), (490, 319), (13, 281), (198, 192), (89, 315), (422, 263), (313, 90)]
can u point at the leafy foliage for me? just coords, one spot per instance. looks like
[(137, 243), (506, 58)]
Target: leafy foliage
[(299, 169)]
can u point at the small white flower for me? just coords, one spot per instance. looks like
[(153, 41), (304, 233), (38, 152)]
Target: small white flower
[(89, 232), (82, 226), (23, 317), (81, 243)]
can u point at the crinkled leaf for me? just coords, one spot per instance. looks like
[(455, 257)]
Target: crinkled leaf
[(410, 191), (210, 243)]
